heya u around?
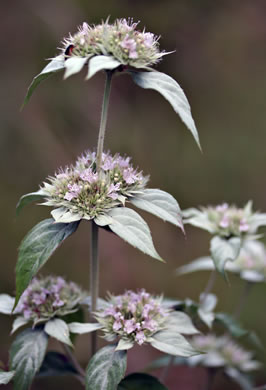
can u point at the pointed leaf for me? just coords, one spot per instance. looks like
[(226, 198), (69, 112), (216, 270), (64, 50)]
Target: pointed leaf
[(161, 204), (172, 343), (18, 323), (63, 215), (129, 225), (57, 63), (29, 198), (106, 369), (56, 364), (242, 380), (200, 264), (74, 65), (6, 376), (99, 63), (172, 92), (181, 323), (36, 248), (231, 325), (140, 381), (81, 328), (124, 344), (6, 303), (26, 356), (223, 250), (58, 329)]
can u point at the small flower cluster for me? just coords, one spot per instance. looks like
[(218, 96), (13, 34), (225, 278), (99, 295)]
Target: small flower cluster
[(252, 257), (47, 297), (85, 193), (133, 316), (223, 351), (229, 220), (121, 40)]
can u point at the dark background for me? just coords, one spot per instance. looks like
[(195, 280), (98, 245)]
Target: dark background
[(220, 61)]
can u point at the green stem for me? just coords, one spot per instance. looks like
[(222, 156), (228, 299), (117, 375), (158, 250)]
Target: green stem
[(106, 97), (209, 286), (243, 299), (81, 373), (167, 368), (94, 280)]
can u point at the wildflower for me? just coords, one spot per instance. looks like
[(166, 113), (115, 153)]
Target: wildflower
[(79, 192), (141, 318)]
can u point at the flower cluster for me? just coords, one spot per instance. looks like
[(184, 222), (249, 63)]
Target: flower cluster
[(223, 352), (49, 297), (133, 316), (226, 221), (252, 258), (121, 40), (82, 192)]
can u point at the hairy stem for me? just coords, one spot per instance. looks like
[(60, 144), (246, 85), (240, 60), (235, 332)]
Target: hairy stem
[(242, 300), (94, 280), (209, 285), (106, 97), (167, 368), (75, 363)]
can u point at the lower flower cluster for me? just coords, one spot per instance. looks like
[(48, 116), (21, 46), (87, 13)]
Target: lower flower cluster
[(133, 316)]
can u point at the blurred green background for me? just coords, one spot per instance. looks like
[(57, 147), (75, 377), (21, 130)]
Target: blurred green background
[(220, 61)]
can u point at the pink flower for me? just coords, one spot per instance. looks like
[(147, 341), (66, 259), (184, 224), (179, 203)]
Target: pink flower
[(148, 39), (222, 207), (73, 192), (112, 191), (140, 337), (243, 226), (130, 326), (130, 45), (89, 176), (224, 222), (150, 324), (129, 176), (117, 325)]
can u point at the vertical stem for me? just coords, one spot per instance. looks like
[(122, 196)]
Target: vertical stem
[(209, 285), (94, 279), (242, 301), (167, 368), (106, 97)]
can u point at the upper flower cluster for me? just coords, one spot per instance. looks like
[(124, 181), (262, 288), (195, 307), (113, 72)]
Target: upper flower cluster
[(223, 351), (80, 191), (121, 40), (49, 297), (133, 316), (225, 220)]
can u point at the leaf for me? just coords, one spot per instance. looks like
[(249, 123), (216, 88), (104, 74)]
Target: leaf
[(199, 219), (231, 324), (124, 344), (172, 343), (165, 360), (58, 329), (223, 250), (99, 63), (63, 215), (160, 204), (6, 303), (57, 63), (80, 328), (26, 356), (56, 364), (29, 198), (106, 369), (19, 321), (36, 248), (74, 65), (172, 92), (181, 323), (6, 376), (127, 224), (140, 381), (206, 307), (242, 380), (200, 264)]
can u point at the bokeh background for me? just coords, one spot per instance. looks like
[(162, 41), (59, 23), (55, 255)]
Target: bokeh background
[(220, 61)]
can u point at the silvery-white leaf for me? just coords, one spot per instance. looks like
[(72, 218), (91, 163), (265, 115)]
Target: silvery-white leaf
[(57, 64), (172, 92), (101, 303), (129, 225), (106, 369), (58, 329), (161, 204), (200, 264), (81, 328), (201, 221), (207, 317), (28, 198), (6, 303), (19, 321), (223, 250), (208, 302), (173, 343), (242, 380), (103, 220), (252, 276), (181, 323), (74, 65), (6, 376), (62, 215), (124, 345), (99, 63), (255, 221)]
